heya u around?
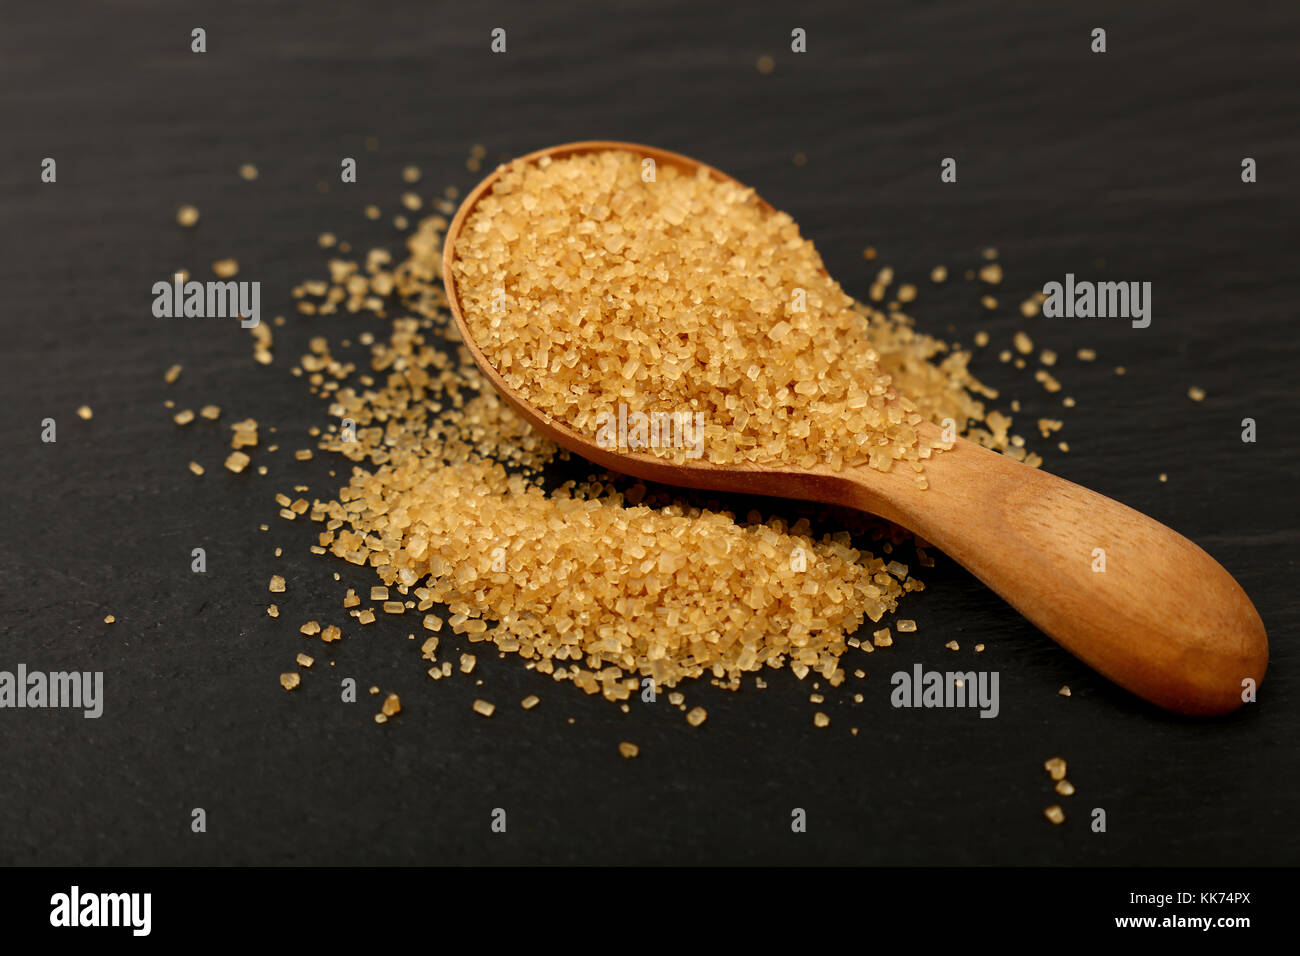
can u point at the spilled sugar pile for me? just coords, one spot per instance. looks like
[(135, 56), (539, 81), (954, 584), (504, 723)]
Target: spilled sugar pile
[(588, 581), (601, 582)]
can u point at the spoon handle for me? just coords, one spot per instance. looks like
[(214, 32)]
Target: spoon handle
[(1130, 597)]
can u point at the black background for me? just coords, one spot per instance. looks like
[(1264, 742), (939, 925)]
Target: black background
[(1122, 166)]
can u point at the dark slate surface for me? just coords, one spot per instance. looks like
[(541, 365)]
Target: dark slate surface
[(1122, 166)]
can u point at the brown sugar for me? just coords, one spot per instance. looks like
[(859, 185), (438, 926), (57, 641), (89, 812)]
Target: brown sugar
[(589, 289)]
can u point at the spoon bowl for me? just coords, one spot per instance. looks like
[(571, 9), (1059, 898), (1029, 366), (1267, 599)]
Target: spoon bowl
[(1132, 598)]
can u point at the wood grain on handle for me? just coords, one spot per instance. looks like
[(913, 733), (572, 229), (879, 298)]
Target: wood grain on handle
[(1164, 620)]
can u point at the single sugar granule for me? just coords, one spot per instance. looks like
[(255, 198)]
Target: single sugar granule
[(484, 708), (1055, 768), (290, 681), (628, 750), (697, 716), (1055, 813)]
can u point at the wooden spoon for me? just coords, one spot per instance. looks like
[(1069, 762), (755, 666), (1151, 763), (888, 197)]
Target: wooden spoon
[(1163, 619)]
